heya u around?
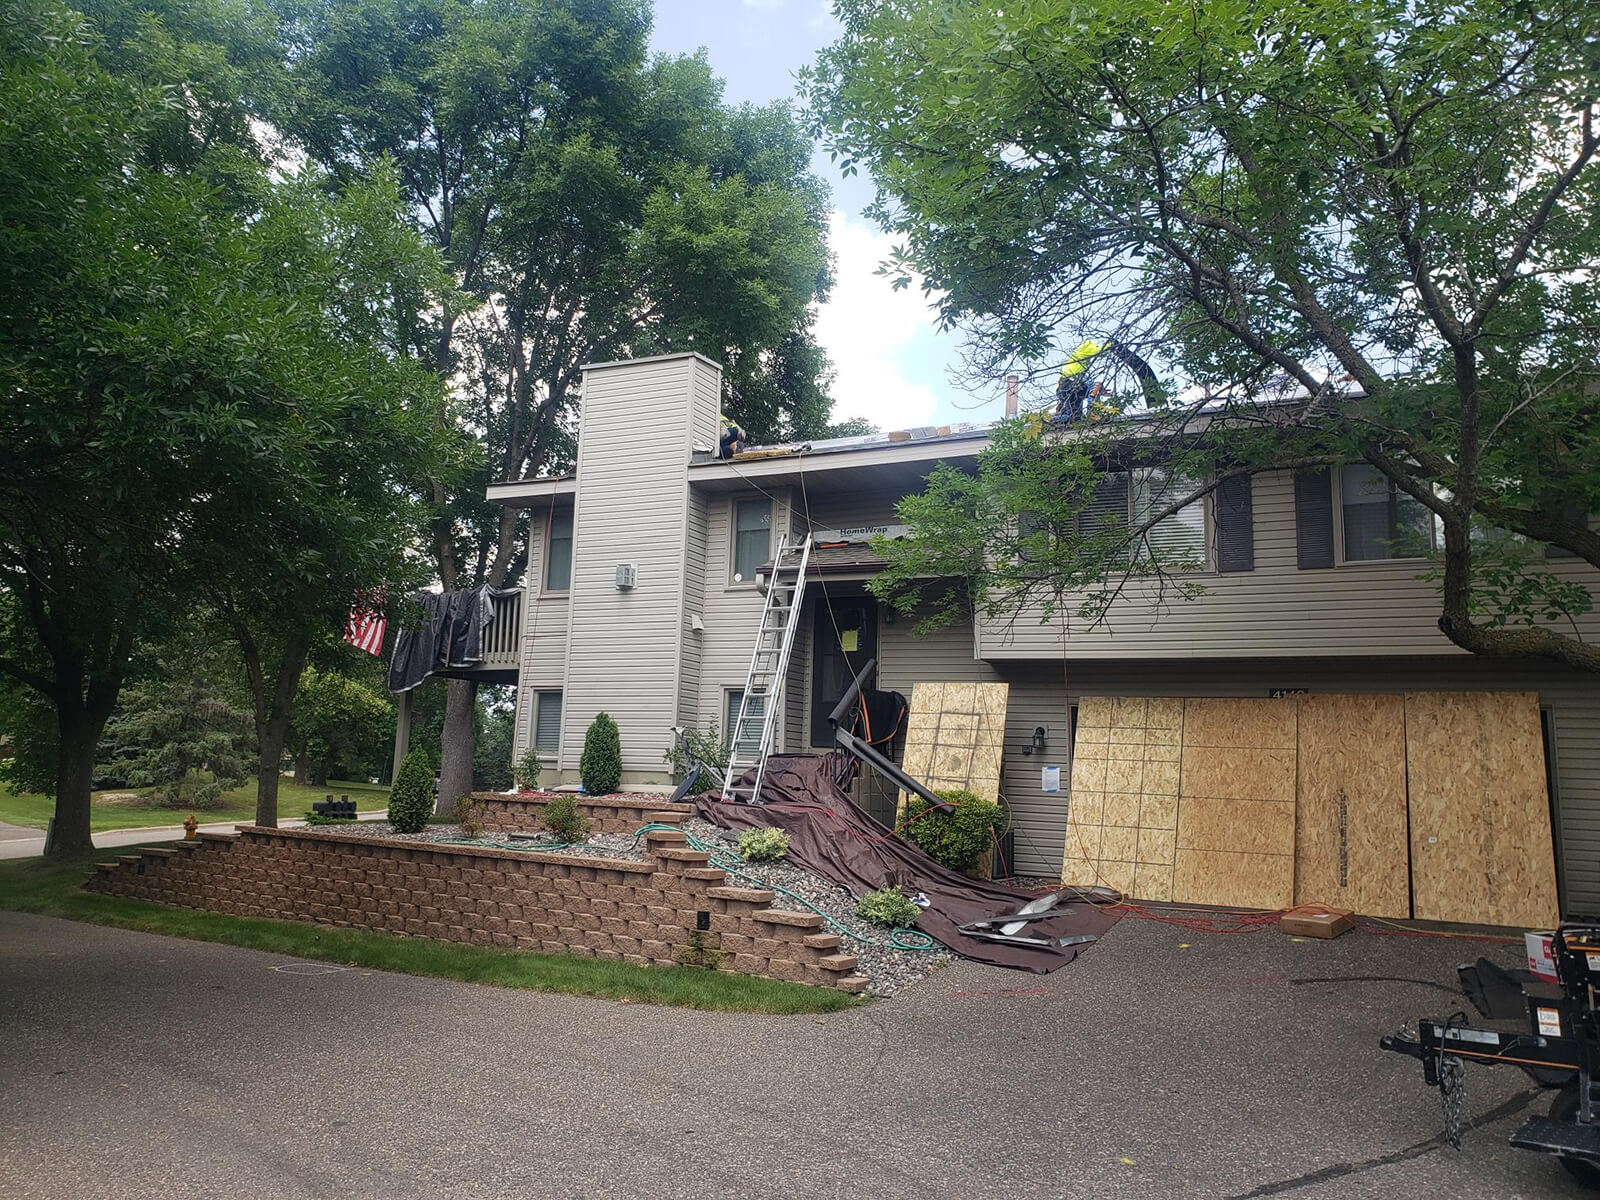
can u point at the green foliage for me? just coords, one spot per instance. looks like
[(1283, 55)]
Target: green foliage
[(888, 906), (763, 845), (192, 343), (411, 797), (179, 734), (491, 761), (528, 768), (709, 747), (561, 817), (470, 814), (600, 767), (342, 727), (1340, 230), (955, 837), (313, 817)]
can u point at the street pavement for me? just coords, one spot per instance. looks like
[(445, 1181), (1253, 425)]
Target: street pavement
[(1162, 1063)]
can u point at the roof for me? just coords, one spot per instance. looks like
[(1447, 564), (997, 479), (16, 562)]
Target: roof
[(852, 557), (634, 362)]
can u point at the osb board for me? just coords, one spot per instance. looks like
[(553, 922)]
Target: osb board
[(1246, 880), (1236, 801), (1122, 813), (1350, 827), (1481, 851), (955, 735)]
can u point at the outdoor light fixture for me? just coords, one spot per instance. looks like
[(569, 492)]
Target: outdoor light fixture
[(1036, 744)]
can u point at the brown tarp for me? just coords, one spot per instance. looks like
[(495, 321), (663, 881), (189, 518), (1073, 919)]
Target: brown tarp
[(831, 837)]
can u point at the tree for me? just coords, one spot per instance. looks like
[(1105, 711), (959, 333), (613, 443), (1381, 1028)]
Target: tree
[(339, 724), (332, 512), (1342, 230), (180, 732), (180, 363), (596, 204)]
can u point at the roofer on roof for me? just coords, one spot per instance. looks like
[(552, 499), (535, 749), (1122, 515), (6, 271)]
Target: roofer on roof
[(1075, 384)]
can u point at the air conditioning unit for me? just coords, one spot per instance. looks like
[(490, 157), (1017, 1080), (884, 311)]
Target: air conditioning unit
[(627, 576)]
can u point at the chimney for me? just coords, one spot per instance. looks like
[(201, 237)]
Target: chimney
[(1011, 395)]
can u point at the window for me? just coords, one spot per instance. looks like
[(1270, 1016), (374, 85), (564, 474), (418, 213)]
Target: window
[(558, 563), (752, 537), (752, 740), (1377, 520), (1123, 499), (547, 722)]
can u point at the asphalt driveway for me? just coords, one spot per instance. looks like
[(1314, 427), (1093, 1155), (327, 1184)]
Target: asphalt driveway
[(1162, 1063)]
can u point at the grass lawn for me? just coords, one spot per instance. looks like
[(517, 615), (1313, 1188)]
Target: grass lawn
[(239, 804), (56, 889)]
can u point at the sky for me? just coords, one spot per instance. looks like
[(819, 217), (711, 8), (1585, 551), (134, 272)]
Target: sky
[(891, 362)]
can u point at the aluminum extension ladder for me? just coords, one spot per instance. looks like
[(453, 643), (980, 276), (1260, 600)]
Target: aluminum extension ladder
[(751, 737)]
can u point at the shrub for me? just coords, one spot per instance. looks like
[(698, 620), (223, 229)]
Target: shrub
[(600, 768), (561, 817), (888, 906), (955, 837), (313, 817), (763, 845), (709, 747), (528, 768), (469, 815), (411, 797)]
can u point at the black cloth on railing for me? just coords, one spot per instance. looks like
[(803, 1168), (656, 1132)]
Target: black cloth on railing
[(450, 634)]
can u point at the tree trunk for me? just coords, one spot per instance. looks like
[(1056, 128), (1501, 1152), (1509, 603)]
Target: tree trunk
[(273, 712), (457, 744), (268, 763), (80, 738)]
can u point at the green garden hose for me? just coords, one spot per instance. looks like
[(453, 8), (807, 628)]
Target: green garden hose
[(727, 860)]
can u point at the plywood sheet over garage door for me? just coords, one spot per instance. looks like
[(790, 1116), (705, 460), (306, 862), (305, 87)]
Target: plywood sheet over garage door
[(1122, 814), (955, 736), (1236, 801), (1480, 812), (1350, 827)]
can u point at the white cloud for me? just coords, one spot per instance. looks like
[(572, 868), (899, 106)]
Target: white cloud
[(824, 18), (867, 329)]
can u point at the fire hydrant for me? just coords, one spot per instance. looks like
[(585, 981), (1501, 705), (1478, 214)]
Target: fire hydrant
[(190, 825)]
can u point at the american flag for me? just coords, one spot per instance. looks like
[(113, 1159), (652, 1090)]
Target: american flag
[(367, 625)]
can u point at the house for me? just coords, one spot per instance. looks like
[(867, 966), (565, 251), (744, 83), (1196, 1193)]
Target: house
[(642, 600)]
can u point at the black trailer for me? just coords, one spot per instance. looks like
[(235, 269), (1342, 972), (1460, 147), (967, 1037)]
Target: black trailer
[(1560, 1047)]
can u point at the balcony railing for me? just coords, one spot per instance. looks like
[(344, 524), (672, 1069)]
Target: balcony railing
[(501, 641)]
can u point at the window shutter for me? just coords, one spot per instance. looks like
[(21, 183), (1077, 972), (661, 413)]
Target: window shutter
[(1313, 519), (1236, 532)]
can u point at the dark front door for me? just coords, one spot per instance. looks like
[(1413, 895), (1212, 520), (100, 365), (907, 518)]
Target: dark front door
[(846, 637)]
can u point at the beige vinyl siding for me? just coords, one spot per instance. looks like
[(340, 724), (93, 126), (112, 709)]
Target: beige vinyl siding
[(624, 648), (1040, 697), (731, 612), (544, 632), (1358, 609)]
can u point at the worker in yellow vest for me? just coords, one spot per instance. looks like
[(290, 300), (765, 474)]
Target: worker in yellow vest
[(1074, 386), (732, 439)]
